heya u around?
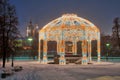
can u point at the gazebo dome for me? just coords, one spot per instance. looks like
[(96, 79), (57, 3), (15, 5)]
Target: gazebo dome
[(69, 20), (71, 26), (72, 29)]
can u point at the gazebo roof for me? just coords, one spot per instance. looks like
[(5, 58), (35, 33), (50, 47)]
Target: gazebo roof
[(69, 27)]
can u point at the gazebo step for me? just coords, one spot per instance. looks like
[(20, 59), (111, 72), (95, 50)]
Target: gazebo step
[(72, 58), (79, 61), (69, 58)]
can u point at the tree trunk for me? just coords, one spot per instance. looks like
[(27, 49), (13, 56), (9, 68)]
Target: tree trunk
[(4, 50), (12, 60), (4, 45), (4, 58)]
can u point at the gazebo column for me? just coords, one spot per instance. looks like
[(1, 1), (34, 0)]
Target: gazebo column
[(98, 47), (74, 49), (62, 60), (39, 50), (98, 50), (45, 52), (89, 51), (58, 47), (84, 52)]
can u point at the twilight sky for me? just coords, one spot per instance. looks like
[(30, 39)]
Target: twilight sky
[(99, 12)]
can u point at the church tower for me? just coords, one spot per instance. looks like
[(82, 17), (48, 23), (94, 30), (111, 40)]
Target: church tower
[(30, 28)]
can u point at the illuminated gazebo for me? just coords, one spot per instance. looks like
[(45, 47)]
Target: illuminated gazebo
[(71, 28)]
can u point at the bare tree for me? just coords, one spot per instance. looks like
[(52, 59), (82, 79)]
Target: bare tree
[(8, 28)]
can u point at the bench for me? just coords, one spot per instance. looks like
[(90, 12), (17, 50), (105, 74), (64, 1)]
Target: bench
[(6, 73), (17, 68)]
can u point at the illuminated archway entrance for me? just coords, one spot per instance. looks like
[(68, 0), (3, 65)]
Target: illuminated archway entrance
[(52, 49), (79, 48), (68, 48)]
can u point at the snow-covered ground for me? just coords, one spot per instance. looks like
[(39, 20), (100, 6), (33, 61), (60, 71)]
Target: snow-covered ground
[(32, 70)]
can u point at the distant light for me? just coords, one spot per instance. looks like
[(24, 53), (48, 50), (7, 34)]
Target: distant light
[(30, 39), (107, 44), (36, 27)]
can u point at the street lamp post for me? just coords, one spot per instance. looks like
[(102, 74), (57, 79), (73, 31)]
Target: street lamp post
[(107, 45), (30, 40)]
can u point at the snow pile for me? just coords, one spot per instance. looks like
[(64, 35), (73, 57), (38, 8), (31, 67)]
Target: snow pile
[(106, 78)]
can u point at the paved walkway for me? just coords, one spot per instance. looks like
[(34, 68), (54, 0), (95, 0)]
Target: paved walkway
[(37, 71)]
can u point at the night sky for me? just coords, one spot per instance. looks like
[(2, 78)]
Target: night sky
[(99, 12)]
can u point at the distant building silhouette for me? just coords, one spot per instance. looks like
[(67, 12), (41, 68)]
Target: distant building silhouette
[(116, 32), (31, 45)]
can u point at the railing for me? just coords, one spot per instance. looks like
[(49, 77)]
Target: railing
[(109, 59), (27, 58)]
